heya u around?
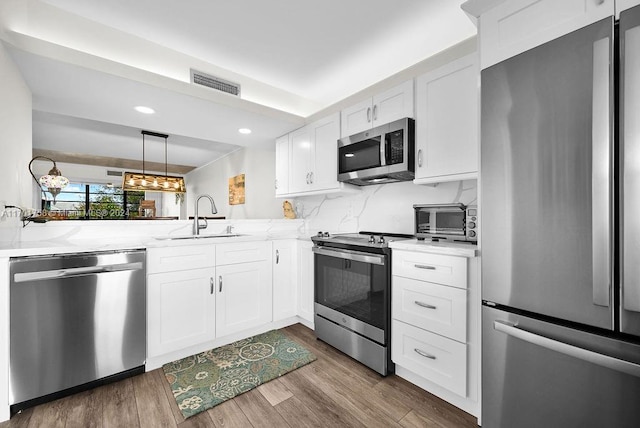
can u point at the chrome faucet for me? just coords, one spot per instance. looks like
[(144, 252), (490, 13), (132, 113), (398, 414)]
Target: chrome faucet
[(196, 223)]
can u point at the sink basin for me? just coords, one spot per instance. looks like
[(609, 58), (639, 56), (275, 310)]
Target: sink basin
[(219, 235)]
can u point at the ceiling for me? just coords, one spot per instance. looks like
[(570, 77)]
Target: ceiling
[(88, 62)]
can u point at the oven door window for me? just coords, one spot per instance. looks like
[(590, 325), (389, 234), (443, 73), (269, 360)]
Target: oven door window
[(353, 288), (361, 155)]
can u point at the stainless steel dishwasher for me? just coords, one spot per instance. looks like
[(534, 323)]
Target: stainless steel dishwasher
[(76, 321)]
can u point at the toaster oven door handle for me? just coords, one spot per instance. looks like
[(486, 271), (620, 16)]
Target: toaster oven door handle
[(357, 256)]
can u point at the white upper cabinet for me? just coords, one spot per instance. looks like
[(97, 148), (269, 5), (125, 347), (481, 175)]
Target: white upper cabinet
[(282, 165), (393, 104), (312, 164), (516, 26), (300, 159), (447, 122)]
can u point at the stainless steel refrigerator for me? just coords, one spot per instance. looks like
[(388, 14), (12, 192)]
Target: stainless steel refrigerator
[(560, 236)]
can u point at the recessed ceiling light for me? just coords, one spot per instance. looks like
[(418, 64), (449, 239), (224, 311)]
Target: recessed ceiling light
[(244, 131), (144, 109)]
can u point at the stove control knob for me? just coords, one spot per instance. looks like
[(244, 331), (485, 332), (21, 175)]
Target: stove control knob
[(320, 235), (372, 239), (381, 240), (326, 234)]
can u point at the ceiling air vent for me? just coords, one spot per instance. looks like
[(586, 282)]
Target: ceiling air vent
[(203, 79), (114, 173)]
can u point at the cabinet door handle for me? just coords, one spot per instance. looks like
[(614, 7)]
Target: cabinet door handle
[(424, 354), (425, 267), (420, 158), (368, 114), (308, 177), (220, 283), (211, 284), (311, 177), (375, 112), (424, 305), (277, 256), (276, 184)]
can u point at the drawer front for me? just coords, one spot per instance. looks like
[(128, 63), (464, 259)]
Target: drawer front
[(446, 270), (438, 359), (170, 259), (242, 252), (437, 308)]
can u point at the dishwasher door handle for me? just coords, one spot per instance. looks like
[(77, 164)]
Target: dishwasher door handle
[(73, 272)]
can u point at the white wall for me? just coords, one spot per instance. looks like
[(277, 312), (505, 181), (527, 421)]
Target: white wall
[(213, 179), (15, 134)]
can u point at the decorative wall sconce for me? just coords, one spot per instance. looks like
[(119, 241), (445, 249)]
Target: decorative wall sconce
[(54, 181), (152, 182)]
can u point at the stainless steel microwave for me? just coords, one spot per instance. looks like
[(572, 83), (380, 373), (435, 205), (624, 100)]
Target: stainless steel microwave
[(384, 154), (451, 222)]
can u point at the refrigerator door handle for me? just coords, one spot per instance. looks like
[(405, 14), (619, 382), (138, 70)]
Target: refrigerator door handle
[(566, 349), (630, 145), (602, 103)]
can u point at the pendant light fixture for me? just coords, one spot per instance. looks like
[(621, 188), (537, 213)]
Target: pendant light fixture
[(153, 182), (54, 181)]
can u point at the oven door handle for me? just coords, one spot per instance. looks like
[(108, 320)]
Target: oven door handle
[(358, 256)]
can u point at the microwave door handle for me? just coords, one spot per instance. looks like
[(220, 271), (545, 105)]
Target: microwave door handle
[(384, 150)]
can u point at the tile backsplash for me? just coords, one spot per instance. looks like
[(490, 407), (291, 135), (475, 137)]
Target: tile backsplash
[(379, 208)]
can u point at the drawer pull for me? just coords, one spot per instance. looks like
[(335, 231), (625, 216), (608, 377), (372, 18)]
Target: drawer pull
[(424, 354), (424, 305), (425, 267)]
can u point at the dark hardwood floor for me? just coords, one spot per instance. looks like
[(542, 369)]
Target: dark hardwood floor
[(334, 391)]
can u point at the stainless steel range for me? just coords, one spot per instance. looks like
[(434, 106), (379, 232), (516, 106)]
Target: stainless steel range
[(353, 295)]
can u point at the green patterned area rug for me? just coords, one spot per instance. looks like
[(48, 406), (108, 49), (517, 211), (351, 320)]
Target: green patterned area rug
[(205, 380)]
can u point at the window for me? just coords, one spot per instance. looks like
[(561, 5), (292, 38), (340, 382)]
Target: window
[(103, 202)]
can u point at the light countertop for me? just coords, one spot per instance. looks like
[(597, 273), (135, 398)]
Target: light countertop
[(445, 248)]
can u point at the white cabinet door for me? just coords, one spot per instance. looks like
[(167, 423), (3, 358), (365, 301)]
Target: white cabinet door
[(305, 281), (180, 310), (516, 26), (356, 118), (385, 107), (299, 162), (244, 297), (447, 122), (394, 104), (285, 281), (324, 136), (282, 165)]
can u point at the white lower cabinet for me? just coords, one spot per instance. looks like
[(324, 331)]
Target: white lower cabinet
[(435, 326), (305, 281), (441, 309), (244, 286), (434, 357), (244, 296), (180, 310), (285, 281)]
